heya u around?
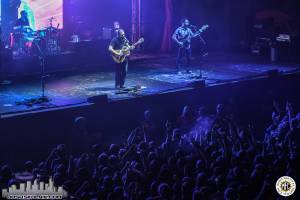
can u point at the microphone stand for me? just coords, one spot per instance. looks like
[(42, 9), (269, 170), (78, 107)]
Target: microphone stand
[(43, 98), (203, 55), (201, 64), (41, 57)]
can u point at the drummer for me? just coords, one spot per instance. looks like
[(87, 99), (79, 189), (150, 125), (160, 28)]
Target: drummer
[(23, 35), (23, 20)]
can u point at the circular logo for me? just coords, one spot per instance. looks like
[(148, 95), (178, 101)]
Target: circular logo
[(285, 186)]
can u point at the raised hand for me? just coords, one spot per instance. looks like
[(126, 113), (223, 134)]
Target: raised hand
[(168, 125)]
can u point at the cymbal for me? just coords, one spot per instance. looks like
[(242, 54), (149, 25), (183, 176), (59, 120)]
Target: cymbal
[(51, 19)]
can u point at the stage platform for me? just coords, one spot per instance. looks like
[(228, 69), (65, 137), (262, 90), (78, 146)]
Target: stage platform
[(153, 74)]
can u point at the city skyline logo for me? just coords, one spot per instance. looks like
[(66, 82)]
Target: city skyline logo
[(37, 190)]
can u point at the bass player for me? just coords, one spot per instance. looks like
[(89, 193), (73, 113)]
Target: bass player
[(182, 37), (184, 50)]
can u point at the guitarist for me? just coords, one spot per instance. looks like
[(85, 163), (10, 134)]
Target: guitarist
[(182, 36), (117, 43)]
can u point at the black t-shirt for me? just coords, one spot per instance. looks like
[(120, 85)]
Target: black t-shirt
[(22, 22), (118, 43)]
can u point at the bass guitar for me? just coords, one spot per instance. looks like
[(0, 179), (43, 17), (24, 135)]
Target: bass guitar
[(185, 42)]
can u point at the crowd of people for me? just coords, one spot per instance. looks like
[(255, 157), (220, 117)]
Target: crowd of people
[(199, 157)]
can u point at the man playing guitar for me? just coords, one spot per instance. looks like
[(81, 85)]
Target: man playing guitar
[(120, 50), (116, 44), (182, 36)]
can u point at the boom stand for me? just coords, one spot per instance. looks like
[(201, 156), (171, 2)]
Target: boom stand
[(43, 98), (41, 56), (204, 54)]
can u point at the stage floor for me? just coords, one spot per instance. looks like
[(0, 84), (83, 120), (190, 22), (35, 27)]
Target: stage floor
[(154, 75)]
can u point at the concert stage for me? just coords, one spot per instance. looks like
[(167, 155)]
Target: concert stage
[(232, 79), (150, 74)]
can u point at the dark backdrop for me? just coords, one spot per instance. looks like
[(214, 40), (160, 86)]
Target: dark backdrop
[(230, 21), (88, 17)]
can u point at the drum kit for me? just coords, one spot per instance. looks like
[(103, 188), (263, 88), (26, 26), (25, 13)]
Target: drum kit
[(24, 41)]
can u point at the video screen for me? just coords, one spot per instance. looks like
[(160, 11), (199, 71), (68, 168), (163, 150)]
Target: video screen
[(40, 13)]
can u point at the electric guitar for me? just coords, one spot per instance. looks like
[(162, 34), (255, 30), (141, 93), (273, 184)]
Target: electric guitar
[(125, 52), (185, 42)]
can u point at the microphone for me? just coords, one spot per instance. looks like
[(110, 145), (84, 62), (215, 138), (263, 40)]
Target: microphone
[(125, 39)]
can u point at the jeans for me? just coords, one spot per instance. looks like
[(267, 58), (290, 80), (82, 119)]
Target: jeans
[(121, 71), (183, 52)]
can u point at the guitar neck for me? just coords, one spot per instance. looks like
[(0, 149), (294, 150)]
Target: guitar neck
[(130, 47), (198, 33), (135, 44)]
